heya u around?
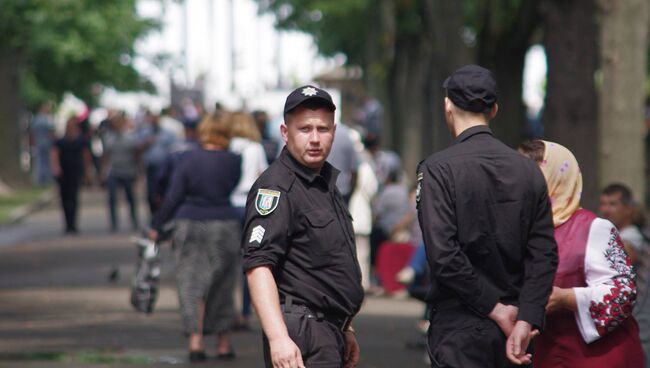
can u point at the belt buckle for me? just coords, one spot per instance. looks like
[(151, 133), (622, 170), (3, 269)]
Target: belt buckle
[(346, 323)]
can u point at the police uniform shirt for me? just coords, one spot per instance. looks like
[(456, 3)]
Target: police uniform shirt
[(487, 226), (299, 226)]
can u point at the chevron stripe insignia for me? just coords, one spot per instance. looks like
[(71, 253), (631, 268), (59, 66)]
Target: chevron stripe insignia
[(257, 234)]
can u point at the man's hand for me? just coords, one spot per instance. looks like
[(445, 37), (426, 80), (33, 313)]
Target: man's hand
[(518, 343), (285, 353), (152, 235), (352, 350), (56, 171), (505, 317)]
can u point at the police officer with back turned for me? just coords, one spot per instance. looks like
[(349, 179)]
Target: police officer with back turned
[(487, 226)]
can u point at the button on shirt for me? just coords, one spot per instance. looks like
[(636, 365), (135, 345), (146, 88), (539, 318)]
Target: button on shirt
[(298, 225), (487, 226)]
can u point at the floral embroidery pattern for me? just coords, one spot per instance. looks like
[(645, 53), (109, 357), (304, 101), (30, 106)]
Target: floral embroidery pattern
[(617, 305)]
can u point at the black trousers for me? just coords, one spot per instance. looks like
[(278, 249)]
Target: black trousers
[(459, 338), (69, 194), (321, 343), (153, 198)]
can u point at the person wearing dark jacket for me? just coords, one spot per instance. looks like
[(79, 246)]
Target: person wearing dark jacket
[(70, 162), (206, 236), (299, 250), (487, 225)]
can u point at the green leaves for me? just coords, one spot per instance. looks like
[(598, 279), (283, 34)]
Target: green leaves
[(337, 25), (71, 45)]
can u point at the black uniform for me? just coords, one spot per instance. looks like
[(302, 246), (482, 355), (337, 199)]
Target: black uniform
[(488, 230), (298, 224)]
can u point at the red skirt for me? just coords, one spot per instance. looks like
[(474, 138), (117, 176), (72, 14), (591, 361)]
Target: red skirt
[(562, 346)]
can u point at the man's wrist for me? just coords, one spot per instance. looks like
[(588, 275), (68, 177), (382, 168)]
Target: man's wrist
[(278, 337), (495, 314)]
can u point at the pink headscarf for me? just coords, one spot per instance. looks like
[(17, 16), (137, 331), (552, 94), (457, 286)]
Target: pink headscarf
[(564, 181)]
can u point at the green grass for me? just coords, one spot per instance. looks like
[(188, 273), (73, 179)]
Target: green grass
[(19, 198), (92, 357)]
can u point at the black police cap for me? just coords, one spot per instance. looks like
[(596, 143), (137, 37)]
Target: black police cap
[(306, 93), (472, 88)]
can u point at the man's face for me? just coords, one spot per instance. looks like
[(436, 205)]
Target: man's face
[(612, 208), (309, 135)]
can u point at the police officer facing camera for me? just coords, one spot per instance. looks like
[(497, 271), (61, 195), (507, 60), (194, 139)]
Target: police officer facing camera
[(487, 226), (299, 250)]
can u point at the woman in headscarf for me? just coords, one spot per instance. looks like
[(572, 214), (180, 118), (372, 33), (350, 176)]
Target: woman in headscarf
[(589, 319)]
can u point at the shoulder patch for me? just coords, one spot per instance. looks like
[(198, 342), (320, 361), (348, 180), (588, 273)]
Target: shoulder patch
[(266, 201), (418, 190)]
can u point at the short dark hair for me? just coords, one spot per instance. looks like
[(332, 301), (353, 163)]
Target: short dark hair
[(312, 104), (533, 149), (622, 189)]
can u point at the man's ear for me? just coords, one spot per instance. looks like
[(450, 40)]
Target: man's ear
[(447, 104), (284, 132), (494, 110), (448, 107)]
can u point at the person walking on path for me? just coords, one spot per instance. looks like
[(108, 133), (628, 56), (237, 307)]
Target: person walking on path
[(206, 236), (70, 162), (120, 168), (487, 226), (246, 142), (157, 143), (300, 256), (42, 136)]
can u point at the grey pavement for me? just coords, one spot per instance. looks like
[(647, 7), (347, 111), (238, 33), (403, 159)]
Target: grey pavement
[(58, 308)]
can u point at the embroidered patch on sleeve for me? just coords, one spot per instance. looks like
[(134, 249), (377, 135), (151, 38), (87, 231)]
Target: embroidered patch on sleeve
[(257, 234), (266, 201), (418, 190)]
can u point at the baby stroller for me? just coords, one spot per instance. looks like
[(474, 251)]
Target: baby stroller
[(144, 286)]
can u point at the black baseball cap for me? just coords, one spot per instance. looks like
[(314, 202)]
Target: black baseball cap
[(306, 93), (472, 88)]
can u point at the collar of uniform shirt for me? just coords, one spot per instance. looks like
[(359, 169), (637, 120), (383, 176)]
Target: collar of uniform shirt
[(328, 173), (469, 132)]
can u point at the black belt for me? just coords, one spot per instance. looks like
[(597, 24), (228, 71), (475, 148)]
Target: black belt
[(341, 323)]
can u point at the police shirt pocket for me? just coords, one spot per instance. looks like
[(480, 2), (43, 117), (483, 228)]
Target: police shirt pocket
[(322, 237)]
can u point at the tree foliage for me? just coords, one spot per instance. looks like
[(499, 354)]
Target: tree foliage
[(338, 26), (72, 45), (406, 46)]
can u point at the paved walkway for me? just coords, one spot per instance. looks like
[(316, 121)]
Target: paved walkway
[(58, 309)]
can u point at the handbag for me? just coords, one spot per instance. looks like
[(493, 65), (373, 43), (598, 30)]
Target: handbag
[(144, 285)]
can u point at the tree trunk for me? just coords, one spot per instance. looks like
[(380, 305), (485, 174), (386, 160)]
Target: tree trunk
[(624, 51), (502, 49), (510, 121), (377, 58), (420, 64), (444, 23), (570, 115), (10, 171), (408, 81)]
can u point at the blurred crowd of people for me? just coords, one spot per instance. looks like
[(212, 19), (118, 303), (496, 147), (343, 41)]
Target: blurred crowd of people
[(197, 168)]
